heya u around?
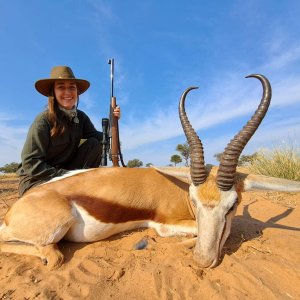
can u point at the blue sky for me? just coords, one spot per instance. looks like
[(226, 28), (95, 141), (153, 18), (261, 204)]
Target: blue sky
[(160, 48)]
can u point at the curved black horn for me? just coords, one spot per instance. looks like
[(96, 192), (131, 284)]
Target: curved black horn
[(198, 171), (230, 156)]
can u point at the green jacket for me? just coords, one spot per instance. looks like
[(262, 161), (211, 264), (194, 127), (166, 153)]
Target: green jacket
[(43, 156)]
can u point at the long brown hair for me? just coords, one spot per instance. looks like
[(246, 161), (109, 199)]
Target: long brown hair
[(56, 117)]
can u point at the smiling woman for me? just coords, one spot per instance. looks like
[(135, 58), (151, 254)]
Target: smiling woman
[(53, 144), (66, 93)]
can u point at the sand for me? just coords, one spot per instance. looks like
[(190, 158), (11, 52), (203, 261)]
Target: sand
[(261, 260)]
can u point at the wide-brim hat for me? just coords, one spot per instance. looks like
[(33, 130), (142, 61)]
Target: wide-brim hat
[(44, 86)]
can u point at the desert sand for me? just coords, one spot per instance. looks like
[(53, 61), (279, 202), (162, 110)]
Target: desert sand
[(261, 260)]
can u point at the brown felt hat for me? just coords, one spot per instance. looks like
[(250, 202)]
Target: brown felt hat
[(44, 86)]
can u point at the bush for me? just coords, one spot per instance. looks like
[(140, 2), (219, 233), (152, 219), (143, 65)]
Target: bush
[(9, 168), (281, 162), (134, 163)]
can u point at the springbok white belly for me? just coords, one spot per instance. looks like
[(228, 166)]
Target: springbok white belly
[(87, 228)]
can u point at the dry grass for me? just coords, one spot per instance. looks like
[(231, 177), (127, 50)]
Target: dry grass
[(8, 175), (8, 192), (281, 162)]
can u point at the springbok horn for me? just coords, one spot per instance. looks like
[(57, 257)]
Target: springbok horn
[(198, 171), (230, 156)]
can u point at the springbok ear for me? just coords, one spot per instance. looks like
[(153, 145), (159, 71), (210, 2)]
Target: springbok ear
[(260, 182), (183, 174)]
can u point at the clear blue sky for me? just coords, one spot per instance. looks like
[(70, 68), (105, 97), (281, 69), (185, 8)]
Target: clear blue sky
[(160, 48)]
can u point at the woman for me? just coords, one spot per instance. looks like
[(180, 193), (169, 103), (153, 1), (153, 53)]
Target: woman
[(52, 146)]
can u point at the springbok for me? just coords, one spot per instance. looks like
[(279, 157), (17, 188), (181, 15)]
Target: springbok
[(94, 204)]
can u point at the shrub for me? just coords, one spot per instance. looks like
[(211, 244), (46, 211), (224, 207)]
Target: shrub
[(134, 163), (9, 168), (281, 162)]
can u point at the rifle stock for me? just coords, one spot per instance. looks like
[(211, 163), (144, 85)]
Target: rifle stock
[(115, 142)]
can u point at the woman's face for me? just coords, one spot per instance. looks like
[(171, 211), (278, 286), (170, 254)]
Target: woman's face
[(66, 93)]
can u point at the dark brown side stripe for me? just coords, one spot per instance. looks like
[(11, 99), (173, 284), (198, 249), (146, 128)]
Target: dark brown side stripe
[(109, 212)]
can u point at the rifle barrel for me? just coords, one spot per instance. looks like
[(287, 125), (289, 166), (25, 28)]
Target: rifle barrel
[(111, 62)]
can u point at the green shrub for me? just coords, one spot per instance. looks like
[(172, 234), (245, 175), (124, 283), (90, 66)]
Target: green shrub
[(9, 168), (282, 162), (134, 163)]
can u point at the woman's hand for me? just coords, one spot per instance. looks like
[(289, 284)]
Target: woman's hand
[(117, 112)]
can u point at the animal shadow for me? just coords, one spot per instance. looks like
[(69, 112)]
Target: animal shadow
[(245, 228)]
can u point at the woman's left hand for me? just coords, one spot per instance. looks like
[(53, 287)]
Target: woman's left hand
[(117, 112)]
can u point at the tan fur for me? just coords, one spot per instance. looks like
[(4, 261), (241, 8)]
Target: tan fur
[(49, 210), (119, 186), (44, 214), (113, 197), (208, 192)]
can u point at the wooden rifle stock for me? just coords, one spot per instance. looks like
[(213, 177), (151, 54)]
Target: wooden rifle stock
[(114, 134), (115, 154)]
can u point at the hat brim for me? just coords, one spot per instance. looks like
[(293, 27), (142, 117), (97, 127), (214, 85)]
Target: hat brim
[(44, 86)]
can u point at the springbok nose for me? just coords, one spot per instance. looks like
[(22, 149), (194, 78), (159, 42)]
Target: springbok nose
[(205, 261)]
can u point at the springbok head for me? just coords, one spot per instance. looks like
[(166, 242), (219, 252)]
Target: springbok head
[(215, 198)]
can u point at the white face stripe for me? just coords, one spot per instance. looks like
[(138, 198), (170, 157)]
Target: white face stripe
[(213, 225)]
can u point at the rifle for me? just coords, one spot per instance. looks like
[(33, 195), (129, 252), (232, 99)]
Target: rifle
[(110, 129)]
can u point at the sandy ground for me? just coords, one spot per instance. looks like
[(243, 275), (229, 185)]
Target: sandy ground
[(261, 260)]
